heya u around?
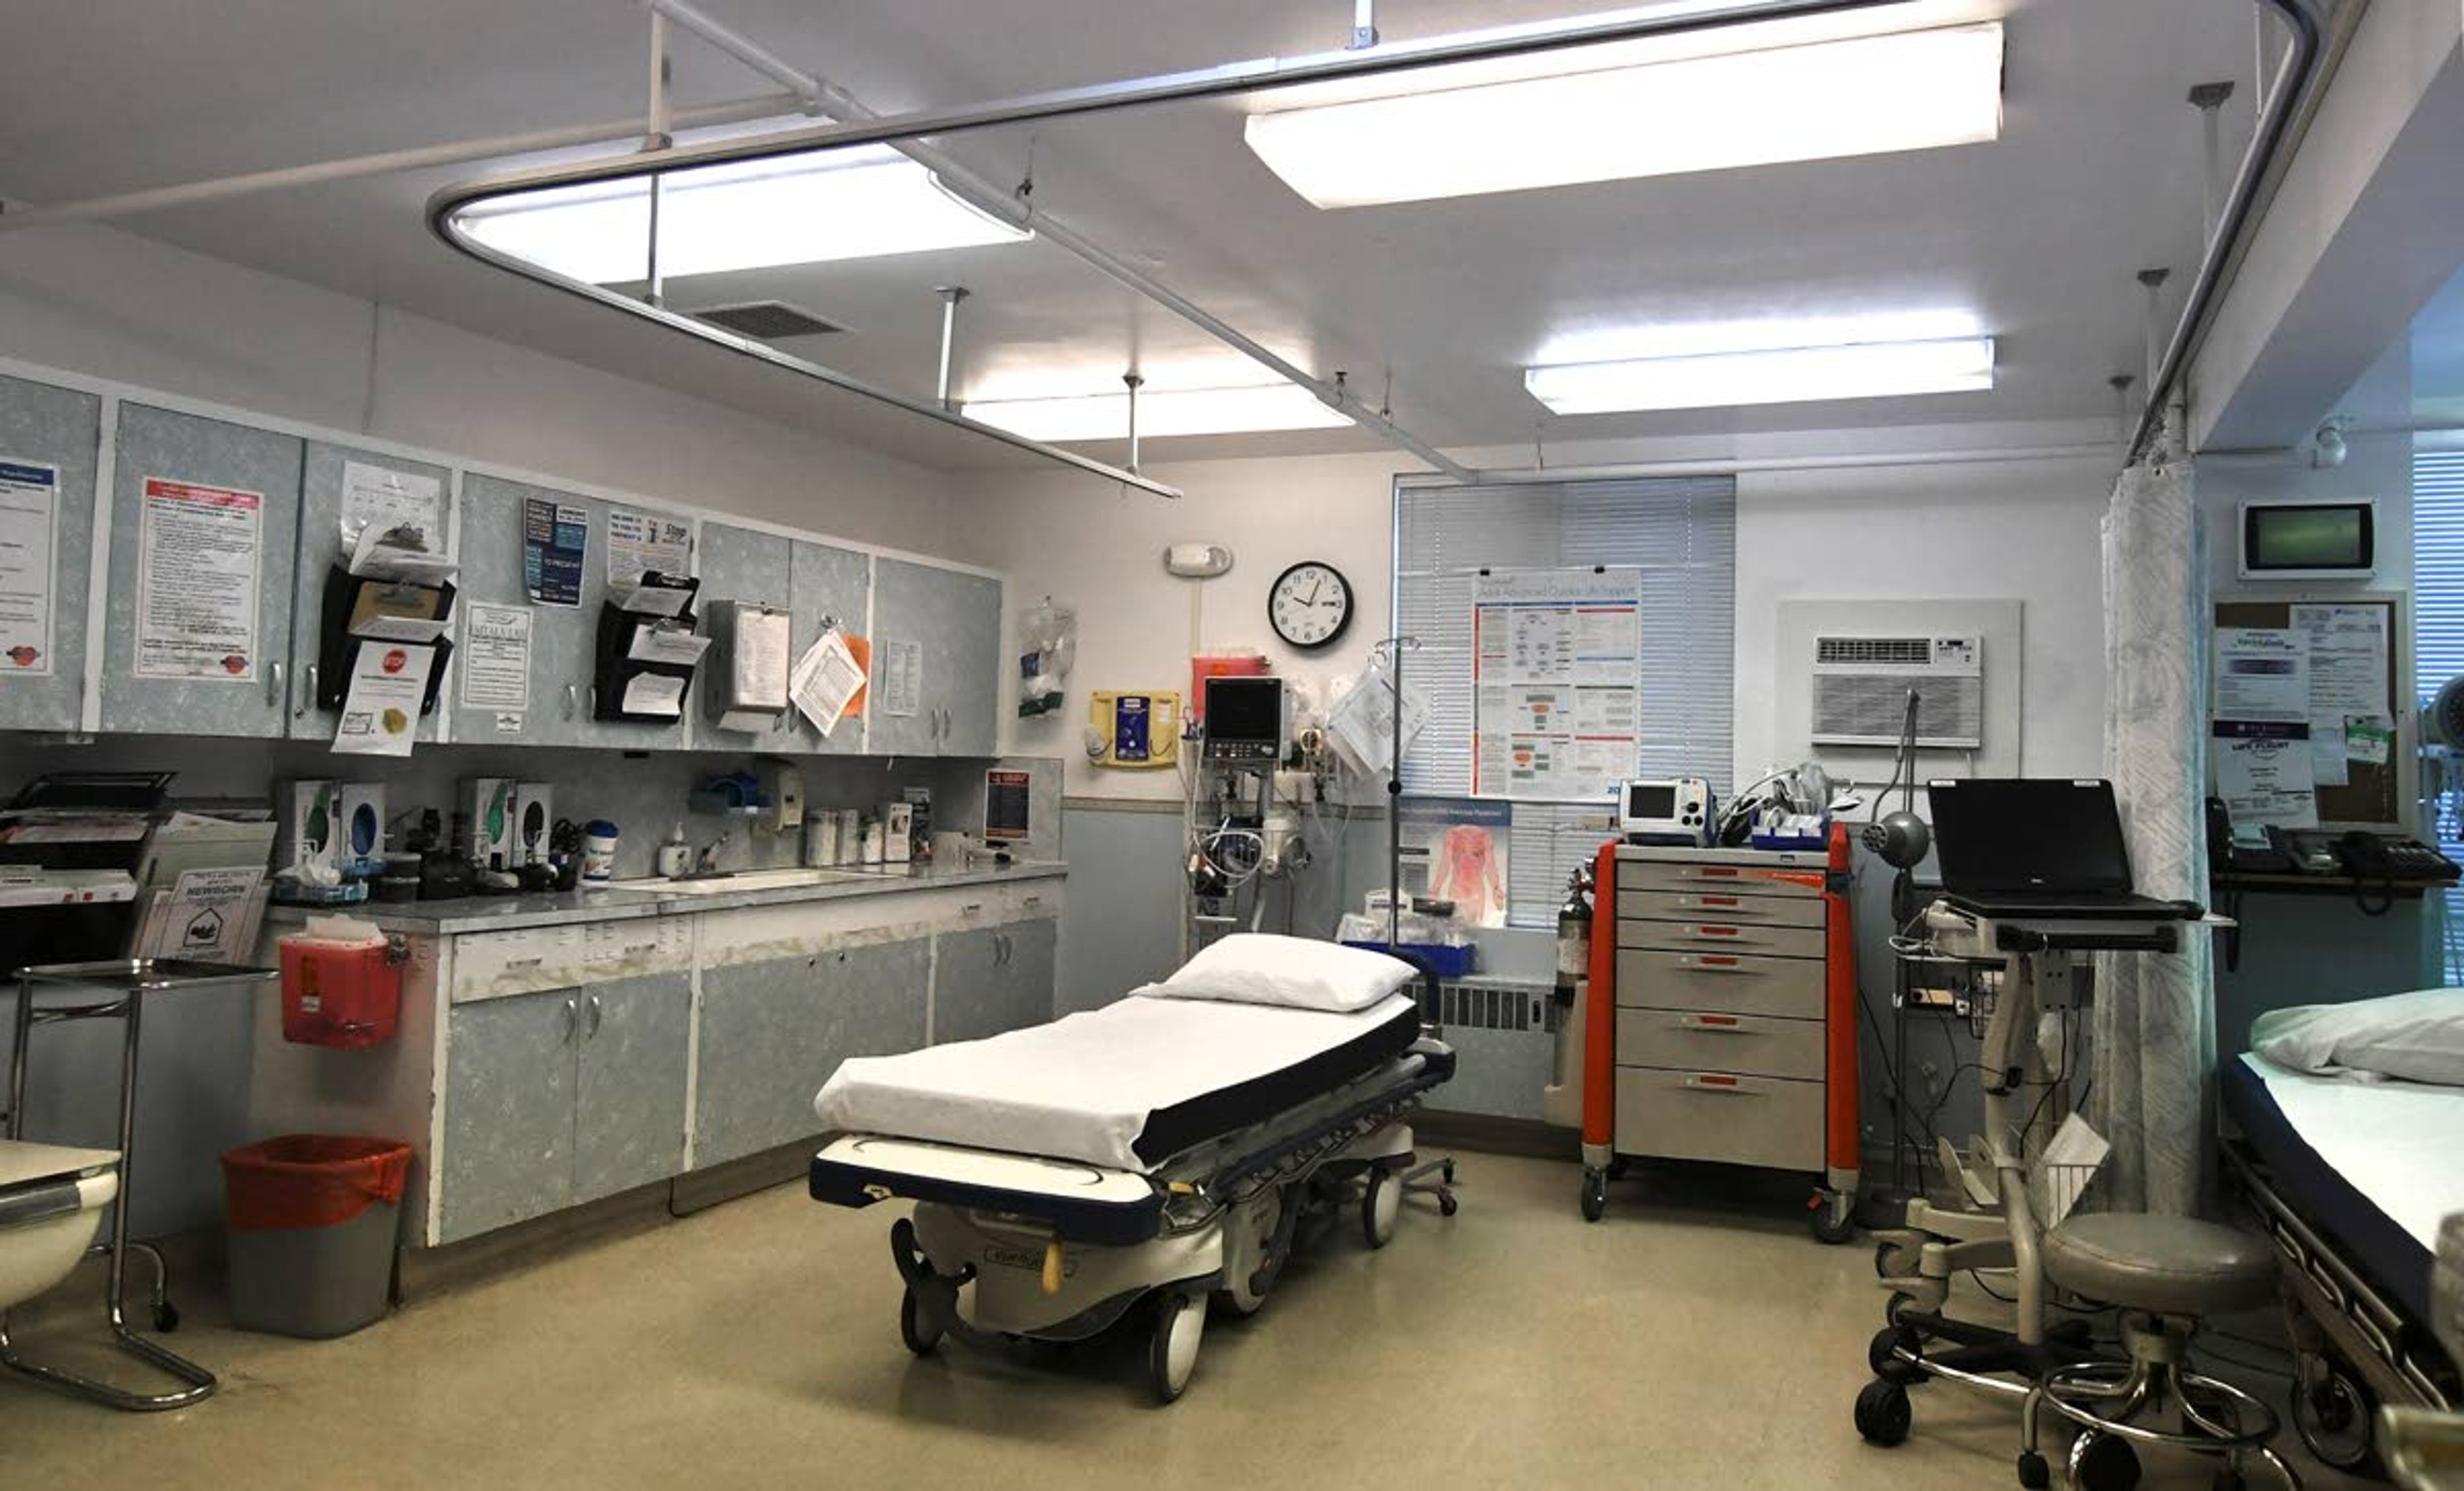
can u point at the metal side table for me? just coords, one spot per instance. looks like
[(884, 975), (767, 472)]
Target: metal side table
[(125, 984)]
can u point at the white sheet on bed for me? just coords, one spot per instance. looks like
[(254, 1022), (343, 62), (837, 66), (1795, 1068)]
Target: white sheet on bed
[(2394, 1142), (1081, 1088)]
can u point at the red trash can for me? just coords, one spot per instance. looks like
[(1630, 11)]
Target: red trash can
[(315, 1222)]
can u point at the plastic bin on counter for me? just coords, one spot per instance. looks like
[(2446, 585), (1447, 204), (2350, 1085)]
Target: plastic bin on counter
[(315, 1221)]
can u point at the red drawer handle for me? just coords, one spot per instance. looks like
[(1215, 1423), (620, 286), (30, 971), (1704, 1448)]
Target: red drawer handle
[(1715, 931), (1715, 961), (1717, 900), (1712, 1022), (1710, 1081), (1717, 872)]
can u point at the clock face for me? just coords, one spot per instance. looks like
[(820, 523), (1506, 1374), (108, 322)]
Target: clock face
[(1309, 605)]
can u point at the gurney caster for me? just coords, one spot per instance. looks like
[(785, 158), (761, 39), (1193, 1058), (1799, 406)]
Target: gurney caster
[(1172, 1357)]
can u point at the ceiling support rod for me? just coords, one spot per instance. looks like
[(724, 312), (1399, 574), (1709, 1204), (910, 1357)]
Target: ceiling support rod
[(1133, 382), (2208, 99), (658, 123), (2269, 139), (1364, 25), (2150, 320), (951, 295), (736, 45), (385, 163)]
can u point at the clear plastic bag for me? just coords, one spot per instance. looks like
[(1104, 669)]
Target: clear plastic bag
[(1048, 639)]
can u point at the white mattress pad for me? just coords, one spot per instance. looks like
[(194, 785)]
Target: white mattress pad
[(1083, 1087), (2393, 1141)]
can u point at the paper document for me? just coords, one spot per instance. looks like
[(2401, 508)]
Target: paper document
[(654, 694), (2370, 740), (210, 915), (377, 556), (825, 679), (496, 657), (380, 500), (381, 709), (902, 678), (2262, 770), (667, 644), (556, 539), (1363, 721), (2262, 674), (199, 570), (640, 543), (30, 494), (653, 600), (757, 667), (388, 611)]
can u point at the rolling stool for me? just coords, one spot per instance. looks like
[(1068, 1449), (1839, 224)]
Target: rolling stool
[(2164, 1273)]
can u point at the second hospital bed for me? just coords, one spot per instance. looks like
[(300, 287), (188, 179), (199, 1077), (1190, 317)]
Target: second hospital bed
[(1161, 1147), (2351, 1178)]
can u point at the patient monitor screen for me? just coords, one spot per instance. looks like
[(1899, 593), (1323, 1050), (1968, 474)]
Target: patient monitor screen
[(1245, 718)]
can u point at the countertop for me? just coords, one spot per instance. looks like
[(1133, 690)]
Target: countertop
[(510, 913)]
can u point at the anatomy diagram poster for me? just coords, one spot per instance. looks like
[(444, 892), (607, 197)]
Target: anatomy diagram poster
[(1556, 682)]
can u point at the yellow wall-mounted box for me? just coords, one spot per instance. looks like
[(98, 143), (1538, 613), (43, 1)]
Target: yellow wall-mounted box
[(1135, 731)]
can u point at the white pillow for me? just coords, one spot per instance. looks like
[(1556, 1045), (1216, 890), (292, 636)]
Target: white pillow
[(1300, 972), (2418, 1036)]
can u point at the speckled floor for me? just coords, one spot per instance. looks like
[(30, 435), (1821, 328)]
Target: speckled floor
[(756, 1345)]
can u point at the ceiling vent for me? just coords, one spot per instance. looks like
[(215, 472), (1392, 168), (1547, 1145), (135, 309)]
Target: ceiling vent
[(766, 321)]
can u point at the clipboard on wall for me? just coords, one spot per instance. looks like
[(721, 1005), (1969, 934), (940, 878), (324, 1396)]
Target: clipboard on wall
[(2374, 795)]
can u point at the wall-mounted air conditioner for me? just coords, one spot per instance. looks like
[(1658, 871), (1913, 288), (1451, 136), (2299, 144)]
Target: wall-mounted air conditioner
[(1861, 683)]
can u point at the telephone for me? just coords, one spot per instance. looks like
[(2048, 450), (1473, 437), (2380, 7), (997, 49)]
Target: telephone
[(2246, 848), (2385, 857)]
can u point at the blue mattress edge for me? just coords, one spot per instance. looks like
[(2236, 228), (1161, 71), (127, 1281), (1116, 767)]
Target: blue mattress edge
[(2370, 1240)]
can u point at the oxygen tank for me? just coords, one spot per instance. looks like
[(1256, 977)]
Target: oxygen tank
[(1561, 1101)]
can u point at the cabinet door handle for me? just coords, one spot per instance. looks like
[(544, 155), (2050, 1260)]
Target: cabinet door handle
[(275, 694), (592, 1028), (299, 710), (572, 700), (572, 1019), (1000, 949)]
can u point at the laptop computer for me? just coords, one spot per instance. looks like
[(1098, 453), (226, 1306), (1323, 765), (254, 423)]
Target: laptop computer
[(2043, 848)]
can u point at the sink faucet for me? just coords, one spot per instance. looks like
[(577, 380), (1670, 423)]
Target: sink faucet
[(707, 861)]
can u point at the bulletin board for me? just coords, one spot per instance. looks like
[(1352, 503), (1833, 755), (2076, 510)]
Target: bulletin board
[(2374, 793)]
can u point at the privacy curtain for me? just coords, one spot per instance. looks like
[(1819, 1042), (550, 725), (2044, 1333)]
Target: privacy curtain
[(2154, 1032)]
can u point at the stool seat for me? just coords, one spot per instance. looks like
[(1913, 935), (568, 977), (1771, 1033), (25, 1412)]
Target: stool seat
[(2161, 1265)]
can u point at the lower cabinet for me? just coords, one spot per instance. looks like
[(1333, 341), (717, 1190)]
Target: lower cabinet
[(773, 1031), (560, 1096), (987, 980)]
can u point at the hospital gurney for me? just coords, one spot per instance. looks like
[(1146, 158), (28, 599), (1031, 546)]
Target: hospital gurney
[(1157, 1148)]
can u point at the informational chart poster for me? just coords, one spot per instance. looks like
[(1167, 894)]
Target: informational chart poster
[(1556, 685), (2265, 761), (200, 563), (29, 549), (556, 539), (640, 543), (496, 657)]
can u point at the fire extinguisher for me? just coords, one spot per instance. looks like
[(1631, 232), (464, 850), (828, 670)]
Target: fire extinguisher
[(1574, 937)]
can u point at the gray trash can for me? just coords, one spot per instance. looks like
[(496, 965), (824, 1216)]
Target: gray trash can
[(315, 1221)]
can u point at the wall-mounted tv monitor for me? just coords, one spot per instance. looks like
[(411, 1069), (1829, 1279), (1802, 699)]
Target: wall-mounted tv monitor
[(2309, 540)]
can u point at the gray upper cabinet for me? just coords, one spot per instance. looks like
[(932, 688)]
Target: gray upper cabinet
[(830, 584), (42, 664), (199, 628), (630, 1093), (321, 505), (953, 621), (563, 638)]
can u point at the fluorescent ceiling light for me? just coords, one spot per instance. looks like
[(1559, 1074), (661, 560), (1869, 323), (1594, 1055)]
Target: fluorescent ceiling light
[(861, 203), (1161, 411), (1819, 100), (1787, 375)]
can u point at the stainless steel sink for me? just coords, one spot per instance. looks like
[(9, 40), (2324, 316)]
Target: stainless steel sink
[(730, 883)]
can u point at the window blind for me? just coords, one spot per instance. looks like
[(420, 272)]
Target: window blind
[(1680, 532), (2438, 637)]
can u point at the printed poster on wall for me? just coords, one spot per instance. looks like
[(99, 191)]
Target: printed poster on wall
[(381, 708), (1556, 685), (640, 543), (28, 557), (1457, 852), (901, 684), (556, 539), (495, 658), (200, 562)]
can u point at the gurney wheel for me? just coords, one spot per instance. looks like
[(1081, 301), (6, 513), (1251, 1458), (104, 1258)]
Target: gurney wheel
[(1379, 1205), (911, 1330), (1173, 1356)]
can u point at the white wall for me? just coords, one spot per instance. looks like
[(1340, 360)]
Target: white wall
[(2021, 529), (111, 304)]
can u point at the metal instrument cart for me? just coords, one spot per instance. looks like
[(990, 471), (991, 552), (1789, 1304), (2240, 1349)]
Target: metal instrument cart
[(124, 984)]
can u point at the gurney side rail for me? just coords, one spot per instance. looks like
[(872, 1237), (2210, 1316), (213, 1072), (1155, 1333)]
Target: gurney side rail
[(1108, 1224)]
